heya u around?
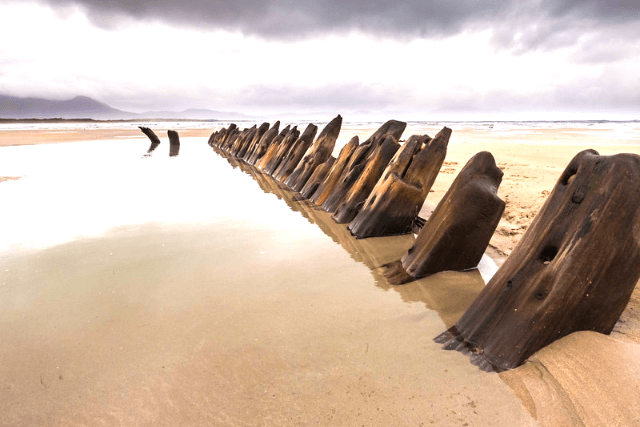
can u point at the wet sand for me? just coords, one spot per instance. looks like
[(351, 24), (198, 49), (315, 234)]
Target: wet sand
[(229, 319), (164, 324)]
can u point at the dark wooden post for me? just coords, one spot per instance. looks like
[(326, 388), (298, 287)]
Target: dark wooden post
[(399, 194), (263, 145), (458, 231), (273, 148), (326, 187), (243, 138), (358, 193), (318, 175), (155, 141), (319, 152), (358, 162), (174, 143), (248, 143), (272, 163), (295, 153), (574, 269), (232, 132)]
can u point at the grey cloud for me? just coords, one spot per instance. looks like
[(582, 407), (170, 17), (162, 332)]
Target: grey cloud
[(591, 96), (605, 49), (295, 18), (344, 95), (523, 25), (551, 24)]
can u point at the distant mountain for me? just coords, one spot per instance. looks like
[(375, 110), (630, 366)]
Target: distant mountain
[(82, 107), (12, 107)]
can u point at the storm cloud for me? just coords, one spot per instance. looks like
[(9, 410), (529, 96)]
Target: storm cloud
[(521, 25)]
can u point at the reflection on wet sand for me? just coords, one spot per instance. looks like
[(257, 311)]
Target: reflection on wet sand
[(245, 316), (448, 293), (584, 379)]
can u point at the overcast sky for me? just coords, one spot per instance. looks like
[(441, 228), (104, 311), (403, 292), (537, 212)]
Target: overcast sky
[(419, 59)]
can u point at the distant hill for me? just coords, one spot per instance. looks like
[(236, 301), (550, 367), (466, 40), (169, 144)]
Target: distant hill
[(12, 107), (82, 107)]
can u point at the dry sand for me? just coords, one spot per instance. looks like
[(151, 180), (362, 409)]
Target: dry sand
[(572, 382)]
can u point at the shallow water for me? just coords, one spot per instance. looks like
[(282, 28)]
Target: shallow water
[(191, 291)]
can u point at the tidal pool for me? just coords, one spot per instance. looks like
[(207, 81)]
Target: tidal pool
[(193, 291)]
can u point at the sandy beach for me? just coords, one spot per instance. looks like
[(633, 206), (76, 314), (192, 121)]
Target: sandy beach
[(563, 384)]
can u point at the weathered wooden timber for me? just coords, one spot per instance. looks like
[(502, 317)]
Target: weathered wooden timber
[(244, 147), (574, 269), (264, 141), (319, 152), (399, 194), (394, 128), (291, 159), (358, 161), (155, 141), (217, 136), (358, 193), (230, 140), (273, 161), (228, 134), (212, 138), (265, 144), (317, 177), (271, 136), (276, 144), (458, 231), (328, 184), (174, 143), (245, 136)]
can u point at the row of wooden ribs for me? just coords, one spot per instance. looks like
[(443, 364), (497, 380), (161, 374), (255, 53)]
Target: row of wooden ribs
[(574, 269)]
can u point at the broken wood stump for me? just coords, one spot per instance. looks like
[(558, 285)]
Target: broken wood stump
[(399, 194), (229, 141), (328, 184), (231, 133), (295, 153), (394, 128), (155, 141), (317, 177), (212, 138), (225, 135), (574, 269), (458, 231), (272, 161), (244, 147), (174, 143), (358, 193), (358, 161), (257, 146), (273, 148), (245, 136), (318, 154), (265, 143)]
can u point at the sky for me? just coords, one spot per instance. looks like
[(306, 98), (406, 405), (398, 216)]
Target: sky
[(413, 60)]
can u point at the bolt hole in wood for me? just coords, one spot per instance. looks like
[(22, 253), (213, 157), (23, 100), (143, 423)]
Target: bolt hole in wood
[(568, 176), (548, 254)]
